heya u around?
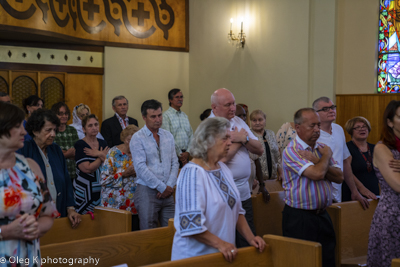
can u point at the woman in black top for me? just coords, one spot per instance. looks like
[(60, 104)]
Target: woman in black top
[(361, 165)]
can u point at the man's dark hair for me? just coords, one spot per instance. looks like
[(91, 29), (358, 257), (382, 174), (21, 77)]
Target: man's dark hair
[(3, 94), (150, 104), (32, 100), (56, 108), (38, 118), (172, 93), (10, 117)]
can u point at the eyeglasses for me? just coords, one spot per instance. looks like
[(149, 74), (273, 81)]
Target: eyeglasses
[(359, 128), (62, 114), (326, 109)]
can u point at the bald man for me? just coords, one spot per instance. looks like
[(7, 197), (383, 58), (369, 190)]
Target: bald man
[(238, 160)]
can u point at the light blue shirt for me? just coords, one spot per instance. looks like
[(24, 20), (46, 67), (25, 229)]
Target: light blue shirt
[(156, 166)]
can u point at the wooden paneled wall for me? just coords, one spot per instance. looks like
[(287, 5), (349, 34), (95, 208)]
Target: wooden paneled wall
[(370, 106)]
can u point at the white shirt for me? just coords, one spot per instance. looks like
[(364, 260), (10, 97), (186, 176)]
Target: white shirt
[(240, 164), (337, 142), (205, 201)]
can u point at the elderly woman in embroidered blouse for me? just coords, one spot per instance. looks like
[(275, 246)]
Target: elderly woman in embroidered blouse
[(361, 162), (42, 126), (271, 159), (208, 209), (118, 175), (26, 209)]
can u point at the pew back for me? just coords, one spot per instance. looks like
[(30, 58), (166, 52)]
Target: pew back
[(133, 248), (268, 216), (280, 252), (352, 224), (396, 263), (107, 221), (273, 185)]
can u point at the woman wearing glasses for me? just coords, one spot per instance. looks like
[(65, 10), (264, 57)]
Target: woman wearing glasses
[(361, 164), (66, 136)]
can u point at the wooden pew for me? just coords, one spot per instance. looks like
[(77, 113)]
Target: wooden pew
[(273, 185), (396, 263), (134, 248), (280, 252), (268, 216), (351, 223), (107, 221)]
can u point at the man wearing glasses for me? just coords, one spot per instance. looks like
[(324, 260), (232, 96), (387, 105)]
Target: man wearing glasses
[(332, 135), (177, 123)]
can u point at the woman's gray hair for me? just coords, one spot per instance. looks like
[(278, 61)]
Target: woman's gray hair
[(205, 135)]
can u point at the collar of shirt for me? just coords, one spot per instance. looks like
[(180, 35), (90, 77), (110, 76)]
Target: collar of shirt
[(232, 121), (322, 132), (121, 120), (172, 110), (304, 144), (148, 132)]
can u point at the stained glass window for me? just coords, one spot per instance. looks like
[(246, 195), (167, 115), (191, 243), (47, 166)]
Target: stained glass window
[(389, 47)]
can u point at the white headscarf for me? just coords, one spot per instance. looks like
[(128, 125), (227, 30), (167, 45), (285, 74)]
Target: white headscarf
[(77, 124)]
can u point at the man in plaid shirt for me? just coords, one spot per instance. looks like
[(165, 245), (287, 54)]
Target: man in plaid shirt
[(177, 123)]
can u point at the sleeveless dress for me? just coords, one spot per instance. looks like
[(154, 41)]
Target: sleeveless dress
[(384, 234), (87, 186), (22, 192)]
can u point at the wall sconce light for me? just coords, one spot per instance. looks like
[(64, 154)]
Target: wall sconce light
[(241, 37)]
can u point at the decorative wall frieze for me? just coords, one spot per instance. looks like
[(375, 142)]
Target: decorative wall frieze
[(156, 24)]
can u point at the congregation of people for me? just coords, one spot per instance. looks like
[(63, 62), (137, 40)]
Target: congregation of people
[(203, 179)]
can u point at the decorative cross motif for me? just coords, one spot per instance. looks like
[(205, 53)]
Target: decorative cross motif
[(141, 14), (91, 8), (61, 4)]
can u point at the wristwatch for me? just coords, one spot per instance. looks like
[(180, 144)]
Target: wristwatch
[(247, 140)]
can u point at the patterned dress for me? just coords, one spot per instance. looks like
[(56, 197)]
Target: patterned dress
[(384, 235), (117, 192), (22, 192), (285, 135), (87, 186), (67, 140)]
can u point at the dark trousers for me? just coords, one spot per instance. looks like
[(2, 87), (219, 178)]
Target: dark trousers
[(306, 225), (248, 207)]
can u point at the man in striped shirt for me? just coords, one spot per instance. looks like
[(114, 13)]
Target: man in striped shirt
[(308, 188)]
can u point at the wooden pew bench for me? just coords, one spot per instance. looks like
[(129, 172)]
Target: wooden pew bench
[(134, 248), (268, 216), (107, 221), (351, 223), (280, 252)]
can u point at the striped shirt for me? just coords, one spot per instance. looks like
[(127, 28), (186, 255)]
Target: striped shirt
[(300, 191), (177, 123)]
